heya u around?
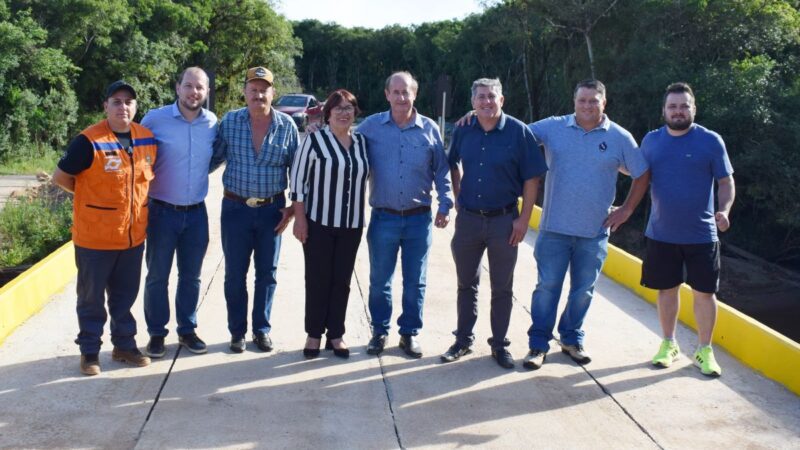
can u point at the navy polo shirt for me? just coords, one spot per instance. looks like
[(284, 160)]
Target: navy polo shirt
[(496, 163)]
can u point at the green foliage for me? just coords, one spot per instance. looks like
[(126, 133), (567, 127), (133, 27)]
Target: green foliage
[(32, 228)]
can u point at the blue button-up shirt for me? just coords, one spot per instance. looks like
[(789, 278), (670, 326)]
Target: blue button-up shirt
[(184, 152), (248, 174), (496, 163), (405, 163)]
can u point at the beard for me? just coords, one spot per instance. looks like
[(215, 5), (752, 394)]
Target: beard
[(679, 124), (191, 107)]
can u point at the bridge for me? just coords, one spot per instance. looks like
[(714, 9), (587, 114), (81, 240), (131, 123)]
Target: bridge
[(281, 400)]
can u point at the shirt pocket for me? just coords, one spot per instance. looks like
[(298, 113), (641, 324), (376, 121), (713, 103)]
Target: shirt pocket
[(276, 155)]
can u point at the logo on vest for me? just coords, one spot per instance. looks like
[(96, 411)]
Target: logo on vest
[(148, 159), (113, 163)]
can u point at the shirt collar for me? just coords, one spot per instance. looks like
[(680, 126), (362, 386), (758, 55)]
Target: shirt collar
[(176, 112), (500, 123), (604, 125), (415, 122)]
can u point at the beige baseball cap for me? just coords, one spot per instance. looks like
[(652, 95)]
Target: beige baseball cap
[(258, 73)]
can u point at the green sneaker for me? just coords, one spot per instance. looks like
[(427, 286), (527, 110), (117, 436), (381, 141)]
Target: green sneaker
[(668, 353), (704, 359)]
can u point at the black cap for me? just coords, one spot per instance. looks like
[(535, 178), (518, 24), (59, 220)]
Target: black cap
[(117, 85)]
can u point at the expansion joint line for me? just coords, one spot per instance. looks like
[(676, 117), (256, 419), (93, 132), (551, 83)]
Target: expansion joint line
[(174, 359), (386, 386)]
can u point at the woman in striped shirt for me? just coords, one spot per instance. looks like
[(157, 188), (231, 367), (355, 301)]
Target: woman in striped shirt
[(329, 175)]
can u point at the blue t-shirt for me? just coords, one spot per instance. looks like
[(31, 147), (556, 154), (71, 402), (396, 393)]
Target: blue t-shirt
[(584, 165), (496, 163), (683, 171)]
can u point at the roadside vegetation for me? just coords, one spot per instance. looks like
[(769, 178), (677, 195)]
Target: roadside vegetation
[(33, 226)]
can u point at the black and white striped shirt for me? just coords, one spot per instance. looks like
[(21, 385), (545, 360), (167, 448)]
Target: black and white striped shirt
[(331, 179)]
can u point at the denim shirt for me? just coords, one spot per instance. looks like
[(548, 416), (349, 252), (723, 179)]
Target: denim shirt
[(405, 163), (184, 153), (249, 174)]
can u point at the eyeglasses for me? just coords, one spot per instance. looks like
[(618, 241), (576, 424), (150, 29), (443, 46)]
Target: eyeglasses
[(344, 109)]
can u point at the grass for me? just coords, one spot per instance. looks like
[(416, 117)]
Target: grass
[(31, 228), (30, 162)]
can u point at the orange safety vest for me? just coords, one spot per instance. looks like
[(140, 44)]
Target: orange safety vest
[(110, 205)]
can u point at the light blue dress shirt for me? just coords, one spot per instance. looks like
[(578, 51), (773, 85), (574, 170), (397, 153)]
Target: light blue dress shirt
[(184, 153), (405, 163)]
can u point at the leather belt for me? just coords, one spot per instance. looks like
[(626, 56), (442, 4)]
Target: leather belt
[(176, 207), (508, 209), (253, 202), (406, 212)]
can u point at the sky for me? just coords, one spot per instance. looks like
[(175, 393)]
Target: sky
[(377, 13)]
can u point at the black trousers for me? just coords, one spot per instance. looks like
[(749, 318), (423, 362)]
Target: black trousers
[(330, 255)]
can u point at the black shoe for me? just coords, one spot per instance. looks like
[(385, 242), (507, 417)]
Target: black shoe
[(410, 345), (238, 344), (193, 343), (262, 341), (310, 353), (503, 358), (340, 352), (155, 348), (455, 352), (376, 344)]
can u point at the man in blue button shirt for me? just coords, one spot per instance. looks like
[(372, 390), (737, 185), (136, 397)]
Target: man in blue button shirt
[(585, 152), (406, 158), (178, 221), (258, 142), (500, 161)]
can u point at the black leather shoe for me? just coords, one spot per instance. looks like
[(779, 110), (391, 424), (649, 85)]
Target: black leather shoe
[(340, 352), (310, 353), (410, 345), (376, 344), (155, 348), (503, 358), (238, 344), (262, 341), (455, 352), (193, 343)]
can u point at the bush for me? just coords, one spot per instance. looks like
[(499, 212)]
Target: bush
[(31, 228)]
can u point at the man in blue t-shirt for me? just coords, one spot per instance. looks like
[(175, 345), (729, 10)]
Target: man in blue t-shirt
[(685, 159)]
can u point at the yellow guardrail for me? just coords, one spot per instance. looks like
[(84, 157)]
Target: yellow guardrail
[(753, 343), (25, 295)]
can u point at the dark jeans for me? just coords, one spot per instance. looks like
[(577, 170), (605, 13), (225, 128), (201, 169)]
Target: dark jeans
[(250, 232), (117, 273), (170, 233), (330, 255), (475, 234)]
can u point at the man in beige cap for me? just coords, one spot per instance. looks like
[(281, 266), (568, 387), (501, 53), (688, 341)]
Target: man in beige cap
[(258, 144)]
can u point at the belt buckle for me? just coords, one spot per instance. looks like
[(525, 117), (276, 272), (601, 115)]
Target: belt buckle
[(253, 202)]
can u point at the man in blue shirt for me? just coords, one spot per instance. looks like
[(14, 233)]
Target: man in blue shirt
[(500, 161), (178, 221), (406, 157), (585, 151), (685, 159), (258, 144)]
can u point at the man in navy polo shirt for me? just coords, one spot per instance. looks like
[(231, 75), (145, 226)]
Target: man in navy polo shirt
[(500, 161), (178, 221), (686, 159), (585, 151)]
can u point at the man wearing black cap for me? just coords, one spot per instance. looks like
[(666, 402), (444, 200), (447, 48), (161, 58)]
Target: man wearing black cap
[(258, 144), (109, 167)]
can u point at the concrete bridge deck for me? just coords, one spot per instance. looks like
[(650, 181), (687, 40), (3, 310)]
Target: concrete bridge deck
[(281, 400)]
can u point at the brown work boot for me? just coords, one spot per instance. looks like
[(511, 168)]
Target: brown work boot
[(90, 364), (133, 357)]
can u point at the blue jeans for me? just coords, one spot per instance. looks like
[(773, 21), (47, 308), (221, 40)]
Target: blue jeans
[(171, 232), (115, 273), (250, 231), (555, 252), (387, 234)]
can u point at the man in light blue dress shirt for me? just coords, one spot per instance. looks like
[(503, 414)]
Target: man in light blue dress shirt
[(178, 221), (407, 158)]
